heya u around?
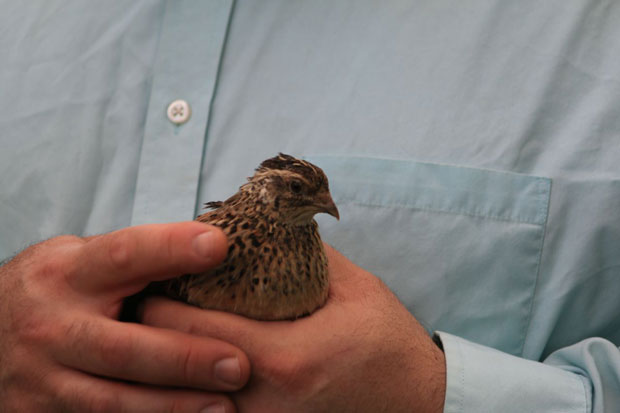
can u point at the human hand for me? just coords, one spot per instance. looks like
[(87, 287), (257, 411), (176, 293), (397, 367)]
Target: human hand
[(363, 351), (62, 348)]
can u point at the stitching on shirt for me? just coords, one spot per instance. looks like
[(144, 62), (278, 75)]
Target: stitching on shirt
[(216, 86), (363, 157), (586, 406), (541, 185), (530, 314), (430, 209)]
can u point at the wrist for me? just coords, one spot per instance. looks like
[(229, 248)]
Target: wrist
[(428, 377), (437, 382)]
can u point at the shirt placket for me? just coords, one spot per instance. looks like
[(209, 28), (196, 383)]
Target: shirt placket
[(184, 79)]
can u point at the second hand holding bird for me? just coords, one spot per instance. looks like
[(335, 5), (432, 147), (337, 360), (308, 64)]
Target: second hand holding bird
[(361, 352)]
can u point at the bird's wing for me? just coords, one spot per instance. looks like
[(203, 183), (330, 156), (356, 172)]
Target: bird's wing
[(213, 204)]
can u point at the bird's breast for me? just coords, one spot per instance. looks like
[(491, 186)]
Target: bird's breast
[(281, 274)]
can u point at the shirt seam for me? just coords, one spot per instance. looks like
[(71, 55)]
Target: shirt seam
[(586, 404), (146, 112), (444, 211), (538, 265), (218, 72), (536, 193)]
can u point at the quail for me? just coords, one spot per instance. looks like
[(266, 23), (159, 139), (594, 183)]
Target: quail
[(276, 267)]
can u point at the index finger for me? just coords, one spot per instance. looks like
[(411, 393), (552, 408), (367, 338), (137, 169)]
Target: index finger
[(130, 258), (147, 355)]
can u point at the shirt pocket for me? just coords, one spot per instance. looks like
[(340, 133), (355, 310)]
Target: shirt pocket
[(459, 246)]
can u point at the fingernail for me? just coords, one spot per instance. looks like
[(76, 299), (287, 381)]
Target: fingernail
[(204, 243), (228, 370), (214, 408)]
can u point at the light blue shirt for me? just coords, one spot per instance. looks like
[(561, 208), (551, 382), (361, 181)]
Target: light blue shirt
[(473, 149)]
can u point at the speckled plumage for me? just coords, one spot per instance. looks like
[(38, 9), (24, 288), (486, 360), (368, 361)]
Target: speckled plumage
[(276, 267)]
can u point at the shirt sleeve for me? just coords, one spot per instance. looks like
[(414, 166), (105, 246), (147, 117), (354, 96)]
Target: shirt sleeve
[(581, 378)]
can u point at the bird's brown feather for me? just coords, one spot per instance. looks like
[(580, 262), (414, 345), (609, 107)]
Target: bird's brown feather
[(276, 266)]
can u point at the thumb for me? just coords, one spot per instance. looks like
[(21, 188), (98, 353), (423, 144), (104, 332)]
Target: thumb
[(125, 261)]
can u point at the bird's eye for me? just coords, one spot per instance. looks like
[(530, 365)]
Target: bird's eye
[(295, 187)]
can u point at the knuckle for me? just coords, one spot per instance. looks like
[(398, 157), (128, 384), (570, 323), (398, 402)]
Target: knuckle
[(187, 362), (172, 246), (98, 402), (26, 322), (21, 400), (289, 373), (371, 285), (88, 399), (191, 404), (375, 284), (174, 406), (27, 288), (115, 351), (167, 247), (26, 325), (78, 333), (177, 406), (120, 249), (51, 268), (169, 243), (35, 390), (34, 329), (51, 244), (46, 259), (109, 351), (298, 375)]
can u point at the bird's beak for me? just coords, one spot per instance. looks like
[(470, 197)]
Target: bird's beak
[(326, 204)]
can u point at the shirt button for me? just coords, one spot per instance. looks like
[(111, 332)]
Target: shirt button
[(179, 111)]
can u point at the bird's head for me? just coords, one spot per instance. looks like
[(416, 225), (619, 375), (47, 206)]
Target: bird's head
[(294, 189)]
